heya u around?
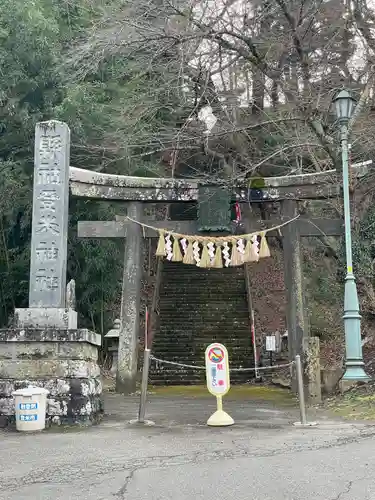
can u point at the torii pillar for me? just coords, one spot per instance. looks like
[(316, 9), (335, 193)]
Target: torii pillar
[(126, 377)]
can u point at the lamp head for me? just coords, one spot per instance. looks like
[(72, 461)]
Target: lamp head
[(344, 106)]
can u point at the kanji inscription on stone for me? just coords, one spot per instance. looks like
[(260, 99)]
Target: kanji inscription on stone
[(50, 215), (47, 251)]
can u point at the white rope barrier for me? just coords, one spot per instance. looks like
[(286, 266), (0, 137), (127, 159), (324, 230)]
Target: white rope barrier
[(197, 367), (284, 365), (164, 362)]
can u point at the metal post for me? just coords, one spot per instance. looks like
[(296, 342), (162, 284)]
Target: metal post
[(145, 370), (352, 319), (301, 395)]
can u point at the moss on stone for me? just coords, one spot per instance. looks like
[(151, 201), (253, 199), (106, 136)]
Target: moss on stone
[(260, 393), (257, 183)]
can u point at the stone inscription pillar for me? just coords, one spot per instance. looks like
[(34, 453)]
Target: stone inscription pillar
[(47, 290), (50, 216), (130, 304)]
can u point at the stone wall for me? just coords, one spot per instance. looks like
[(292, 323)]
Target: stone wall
[(62, 361), (268, 292)]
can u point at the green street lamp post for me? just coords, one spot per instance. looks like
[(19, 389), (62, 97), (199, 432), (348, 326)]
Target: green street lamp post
[(354, 369)]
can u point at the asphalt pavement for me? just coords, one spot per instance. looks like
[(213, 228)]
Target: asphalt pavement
[(262, 457)]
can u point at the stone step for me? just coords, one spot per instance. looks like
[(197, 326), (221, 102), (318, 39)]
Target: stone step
[(191, 271), (198, 373), (196, 309), (216, 290), (204, 287), (214, 277), (199, 362), (184, 323), (186, 375), (178, 278), (174, 282), (185, 379), (198, 316), (203, 292), (213, 318), (183, 268), (209, 320), (185, 348), (190, 344), (203, 300), (199, 329), (206, 302), (224, 283), (206, 337), (234, 363), (191, 333), (196, 297), (214, 306), (191, 276), (195, 355)]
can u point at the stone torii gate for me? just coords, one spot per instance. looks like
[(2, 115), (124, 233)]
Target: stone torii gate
[(137, 191), (44, 344)]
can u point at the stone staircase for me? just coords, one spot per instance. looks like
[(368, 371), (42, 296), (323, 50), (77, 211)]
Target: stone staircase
[(197, 307)]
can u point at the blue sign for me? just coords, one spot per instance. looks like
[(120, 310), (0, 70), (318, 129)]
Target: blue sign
[(29, 418), (28, 406)]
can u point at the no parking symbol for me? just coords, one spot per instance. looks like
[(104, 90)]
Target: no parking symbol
[(217, 369)]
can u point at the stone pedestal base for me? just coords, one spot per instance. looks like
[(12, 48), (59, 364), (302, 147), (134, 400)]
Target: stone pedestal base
[(62, 361), (42, 317)]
